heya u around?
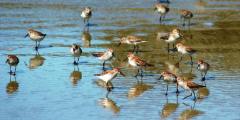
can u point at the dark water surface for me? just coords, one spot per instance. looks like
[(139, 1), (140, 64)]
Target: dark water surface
[(49, 86)]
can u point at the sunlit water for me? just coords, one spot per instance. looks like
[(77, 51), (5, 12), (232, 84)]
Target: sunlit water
[(48, 86)]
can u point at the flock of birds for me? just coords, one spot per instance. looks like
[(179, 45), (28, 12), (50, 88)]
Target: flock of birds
[(135, 61)]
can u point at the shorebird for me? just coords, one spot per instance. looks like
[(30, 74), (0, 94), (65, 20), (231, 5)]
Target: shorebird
[(12, 60), (104, 56), (75, 51), (169, 78), (203, 67), (109, 75), (36, 36), (86, 14), (171, 37), (186, 15), (132, 40), (135, 61), (162, 9), (184, 50), (189, 86)]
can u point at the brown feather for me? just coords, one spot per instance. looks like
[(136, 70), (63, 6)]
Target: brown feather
[(188, 49), (99, 54), (193, 85)]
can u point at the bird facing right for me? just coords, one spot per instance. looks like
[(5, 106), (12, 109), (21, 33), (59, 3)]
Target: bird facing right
[(86, 14), (186, 15), (188, 85), (135, 61), (109, 75), (172, 36), (104, 56), (132, 40), (12, 60)]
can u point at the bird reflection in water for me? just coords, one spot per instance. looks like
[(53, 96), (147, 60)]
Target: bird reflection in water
[(108, 103), (12, 86), (137, 89), (169, 108), (188, 75), (86, 38), (36, 61), (189, 113), (103, 83), (203, 93), (76, 75)]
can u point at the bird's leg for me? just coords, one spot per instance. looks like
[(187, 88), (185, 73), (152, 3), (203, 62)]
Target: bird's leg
[(177, 89), (134, 48), (15, 71), (194, 95), (160, 18), (137, 48), (38, 43), (141, 72), (187, 96), (10, 70), (137, 73), (108, 88), (167, 90), (189, 22), (168, 47), (163, 17), (191, 60), (88, 22), (179, 60), (184, 22), (203, 79)]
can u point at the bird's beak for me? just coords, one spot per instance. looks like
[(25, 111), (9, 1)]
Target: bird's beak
[(181, 16), (155, 8), (160, 77), (175, 49), (113, 54), (175, 81), (119, 44), (7, 60), (122, 74), (26, 35), (125, 59)]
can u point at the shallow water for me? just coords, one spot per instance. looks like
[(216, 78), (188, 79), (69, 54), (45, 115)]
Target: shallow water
[(48, 86)]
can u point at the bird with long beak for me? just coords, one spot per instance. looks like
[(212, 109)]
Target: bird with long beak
[(189, 86), (162, 9), (12, 60), (75, 51), (104, 56), (109, 75), (137, 62), (186, 15), (132, 40), (169, 78), (184, 50), (36, 36)]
